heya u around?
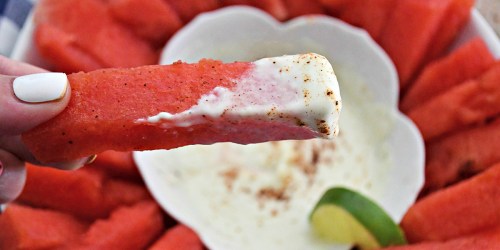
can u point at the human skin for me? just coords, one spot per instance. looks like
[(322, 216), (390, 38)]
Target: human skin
[(18, 116)]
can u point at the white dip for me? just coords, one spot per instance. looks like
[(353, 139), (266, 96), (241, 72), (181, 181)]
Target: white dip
[(260, 196), (297, 89)]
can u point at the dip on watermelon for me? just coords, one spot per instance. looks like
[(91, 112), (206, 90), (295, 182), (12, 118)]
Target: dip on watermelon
[(164, 107)]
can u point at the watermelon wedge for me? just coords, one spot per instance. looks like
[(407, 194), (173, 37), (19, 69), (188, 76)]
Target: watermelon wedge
[(59, 48), (336, 7), (469, 103), (23, 227), (178, 237), (467, 62), (154, 107), (85, 193), (133, 227), (153, 20), (408, 34), (187, 10), (276, 8), (461, 155), (297, 8), (463, 209), (371, 15), (489, 239), (87, 27), (117, 164), (456, 17)]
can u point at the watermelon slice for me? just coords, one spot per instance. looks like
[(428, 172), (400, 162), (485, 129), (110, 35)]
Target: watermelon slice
[(276, 8), (86, 194), (131, 228), (153, 107), (59, 48), (336, 7), (371, 15), (29, 228), (467, 104), (465, 208), (87, 27), (461, 155), (456, 17), (178, 237), (187, 10), (408, 33), (467, 62), (117, 164), (153, 20), (489, 239), (297, 8)]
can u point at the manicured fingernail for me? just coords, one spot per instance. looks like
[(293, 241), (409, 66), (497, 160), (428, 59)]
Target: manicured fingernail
[(2, 208), (41, 87), (91, 159)]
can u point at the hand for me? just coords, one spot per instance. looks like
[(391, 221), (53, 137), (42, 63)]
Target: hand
[(26, 102)]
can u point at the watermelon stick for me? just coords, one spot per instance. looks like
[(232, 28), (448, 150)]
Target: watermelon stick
[(164, 107), (469, 103), (462, 209)]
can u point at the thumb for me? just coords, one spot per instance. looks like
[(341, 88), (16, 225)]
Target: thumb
[(12, 177), (29, 100)]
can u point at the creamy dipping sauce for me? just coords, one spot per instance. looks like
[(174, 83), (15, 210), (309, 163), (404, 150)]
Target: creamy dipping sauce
[(296, 89), (260, 196)]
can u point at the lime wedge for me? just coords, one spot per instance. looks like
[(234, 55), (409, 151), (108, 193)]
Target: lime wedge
[(346, 217)]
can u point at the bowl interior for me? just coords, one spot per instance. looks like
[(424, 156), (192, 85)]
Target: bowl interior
[(247, 34)]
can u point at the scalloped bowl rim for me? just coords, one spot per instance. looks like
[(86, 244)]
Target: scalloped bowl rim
[(411, 148)]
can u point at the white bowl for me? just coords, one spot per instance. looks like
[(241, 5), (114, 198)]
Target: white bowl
[(246, 34)]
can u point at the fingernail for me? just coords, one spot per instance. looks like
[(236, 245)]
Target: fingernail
[(91, 159), (2, 208), (41, 87)]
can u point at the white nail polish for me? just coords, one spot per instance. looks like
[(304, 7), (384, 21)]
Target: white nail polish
[(41, 87)]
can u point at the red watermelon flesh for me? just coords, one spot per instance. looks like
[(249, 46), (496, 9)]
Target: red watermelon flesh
[(408, 34), (187, 10), (489, 239), (236, 2), (133, 227), (276, 8), (75, 192), (178, 237), (90, 28), (461, 155), (467, 62), (61, 50), (118, 193), (117, 164), (462, 209), (85, 193), (108, 108), (455, 19), (153, 20), (469, 103), (297, 8), (336, 7), (28, 228), (371, 15)]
